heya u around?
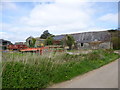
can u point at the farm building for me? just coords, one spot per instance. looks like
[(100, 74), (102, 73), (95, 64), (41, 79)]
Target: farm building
[(58, 39), (90, 40), (39, 42), (4, 43), (93, 40), (85, 40), (29, 41), (34, 42)]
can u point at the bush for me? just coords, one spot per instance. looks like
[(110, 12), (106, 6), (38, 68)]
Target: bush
[(49, 41), (93, 56), (70, 41)]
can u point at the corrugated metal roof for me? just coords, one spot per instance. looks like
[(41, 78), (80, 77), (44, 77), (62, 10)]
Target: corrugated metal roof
[(92, 36), (58, 37), (88, 36)]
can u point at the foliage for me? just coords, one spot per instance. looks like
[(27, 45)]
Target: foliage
[(69, 41), (49, 41), (29, 70), (115, 39), (33, 42), (116, 42), (45, 34)]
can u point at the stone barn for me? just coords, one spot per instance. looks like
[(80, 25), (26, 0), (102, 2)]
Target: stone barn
[(34, 42), (93, 40), (90, 40), (29, 41)]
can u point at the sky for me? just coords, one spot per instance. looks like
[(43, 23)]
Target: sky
[(23, 19)]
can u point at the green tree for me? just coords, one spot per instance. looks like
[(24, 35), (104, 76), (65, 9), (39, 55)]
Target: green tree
[(45, 34), (69, 41), (33, 42), (49, 41)]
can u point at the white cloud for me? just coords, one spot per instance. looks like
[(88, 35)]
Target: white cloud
[(14, 37), (110, 18), (4, 35), (60, 15)]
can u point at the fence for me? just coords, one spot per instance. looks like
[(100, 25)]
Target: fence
[(43, 50)]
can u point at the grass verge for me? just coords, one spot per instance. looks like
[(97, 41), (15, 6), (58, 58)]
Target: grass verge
[(34, 71)]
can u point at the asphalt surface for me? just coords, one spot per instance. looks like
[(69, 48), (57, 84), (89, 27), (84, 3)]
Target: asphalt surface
[(104, 77)]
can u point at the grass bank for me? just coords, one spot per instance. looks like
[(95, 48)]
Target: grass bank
[(29, 70)]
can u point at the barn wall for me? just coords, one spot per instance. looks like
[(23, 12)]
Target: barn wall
[(29, 39), (104, 45), (84, 46)]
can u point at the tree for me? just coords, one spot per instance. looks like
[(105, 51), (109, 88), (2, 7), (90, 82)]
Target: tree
[(116, 42), (69, 41), (49, 41), (45, 34)]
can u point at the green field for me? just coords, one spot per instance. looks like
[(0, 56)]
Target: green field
[(28, 70)]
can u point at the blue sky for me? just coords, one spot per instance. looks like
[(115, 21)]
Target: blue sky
[(23, 19)]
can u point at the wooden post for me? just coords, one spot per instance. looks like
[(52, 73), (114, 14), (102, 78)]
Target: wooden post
[(40, 51)]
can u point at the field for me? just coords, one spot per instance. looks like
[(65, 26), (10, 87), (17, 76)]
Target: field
[(30, 70)]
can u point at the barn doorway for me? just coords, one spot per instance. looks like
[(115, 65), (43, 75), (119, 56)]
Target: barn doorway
[(81, 44)]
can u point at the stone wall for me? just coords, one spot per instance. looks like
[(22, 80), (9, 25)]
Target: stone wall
[(103, 45), (29, 41), (83, 46)]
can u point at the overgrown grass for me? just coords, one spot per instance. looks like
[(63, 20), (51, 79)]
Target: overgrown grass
[(27, 70)]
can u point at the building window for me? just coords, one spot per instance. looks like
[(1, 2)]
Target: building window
[(81, 44)]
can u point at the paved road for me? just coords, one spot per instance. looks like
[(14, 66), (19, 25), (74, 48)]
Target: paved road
[(104, 77)]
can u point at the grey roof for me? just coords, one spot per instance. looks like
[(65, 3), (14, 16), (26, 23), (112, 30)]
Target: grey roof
[(87, 36), (92, 36), (59, 37), (4, 41)]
